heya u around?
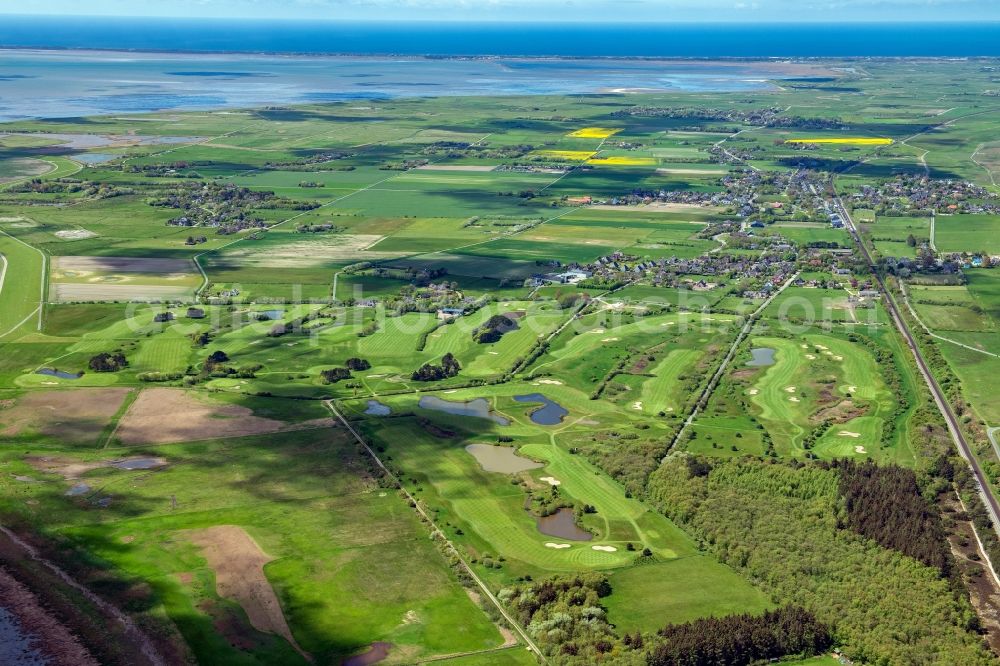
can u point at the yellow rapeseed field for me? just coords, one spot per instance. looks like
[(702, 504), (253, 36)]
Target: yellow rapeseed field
[(854, 141), (594, 132), (568, 155), (622, 161)]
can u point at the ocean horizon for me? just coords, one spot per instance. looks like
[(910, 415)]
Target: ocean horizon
[(631, 40)]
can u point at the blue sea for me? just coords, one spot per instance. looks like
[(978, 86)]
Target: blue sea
[(650, 39)]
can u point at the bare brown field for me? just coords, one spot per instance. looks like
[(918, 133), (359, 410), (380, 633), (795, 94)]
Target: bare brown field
[(163, 415), (76, 416), (69, 292), (312, 252), (156, 267), (238, 563)]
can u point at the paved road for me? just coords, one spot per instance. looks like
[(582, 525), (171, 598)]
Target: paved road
[(952, 421)]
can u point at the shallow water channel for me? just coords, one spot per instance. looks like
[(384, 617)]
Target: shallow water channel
[(375, 654)]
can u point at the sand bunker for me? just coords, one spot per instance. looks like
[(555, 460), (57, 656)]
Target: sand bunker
[(551, 481), (78, 416), (848, 433), (811, 357), (606, 549), (852, 389), (238, 563), (821, 347), (637, 404), (161, 415), (610, 339), (793, 399), (549, 544), (597, 330), (554, 382), (838, 358), (753, 392), (790, 389), (859, 449)]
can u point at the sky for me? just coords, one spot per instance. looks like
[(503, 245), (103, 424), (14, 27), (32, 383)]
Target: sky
[(530, 10)]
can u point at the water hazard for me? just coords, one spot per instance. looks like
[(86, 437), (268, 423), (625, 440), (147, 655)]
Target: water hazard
[(761, 356), (550, 413), (478, 408), (501, 459), (562, 524), (376, 408), (61, 374)]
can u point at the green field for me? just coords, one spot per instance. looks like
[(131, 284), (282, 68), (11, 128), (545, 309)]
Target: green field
[(586, 284)]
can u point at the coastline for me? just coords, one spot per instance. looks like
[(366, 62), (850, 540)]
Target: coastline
[(778, 60)]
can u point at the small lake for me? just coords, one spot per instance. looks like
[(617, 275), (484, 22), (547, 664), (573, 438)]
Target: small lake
[(760, 357), (376, 408), (78, 489), (375, 654), (271, 315), (562, 524), (478, 408), (139, 463), (500, 459), (52, 372), (550, 413)]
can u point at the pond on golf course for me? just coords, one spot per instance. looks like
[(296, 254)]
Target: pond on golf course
[(501, 459), (761, 356), (376, 408), (61, 374), (550, 413), (478, 408), (562, 524)]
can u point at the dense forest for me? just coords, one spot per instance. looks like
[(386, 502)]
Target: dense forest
[(738, 640), (884, 504), (778, 524)]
